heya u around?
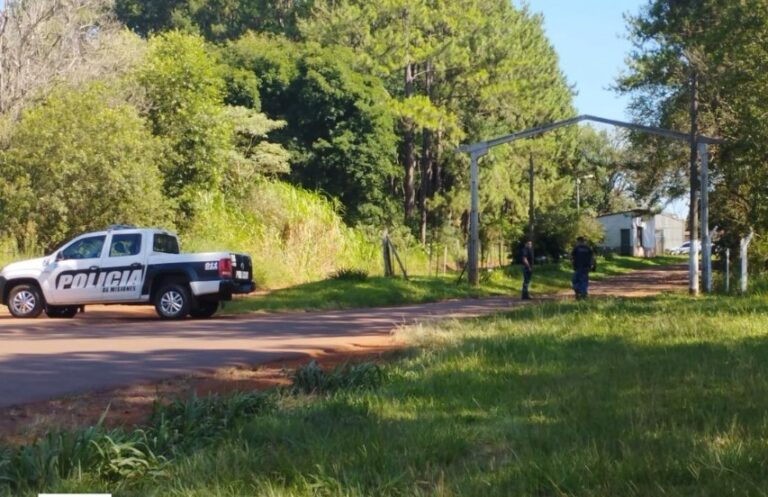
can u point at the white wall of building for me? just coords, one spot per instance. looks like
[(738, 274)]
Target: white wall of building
[(612, 226), (660, 232)]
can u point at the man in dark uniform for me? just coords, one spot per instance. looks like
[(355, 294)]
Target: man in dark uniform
[(526, 260), (582, 259)]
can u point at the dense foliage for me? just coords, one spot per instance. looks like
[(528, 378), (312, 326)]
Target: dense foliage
[(78, 162), (358, 105), (700, 65)]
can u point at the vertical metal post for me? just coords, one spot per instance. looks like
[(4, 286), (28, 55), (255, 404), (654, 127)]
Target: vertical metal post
[(727, 271), (706, 245), (693, 264), (474, 237), (531, 208), (744, 274)]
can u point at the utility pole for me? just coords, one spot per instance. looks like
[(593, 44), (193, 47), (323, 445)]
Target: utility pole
[(474, 239), (693, 254), (531, 211)]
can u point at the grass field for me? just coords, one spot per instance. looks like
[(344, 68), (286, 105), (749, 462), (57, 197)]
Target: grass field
[(379, 291), (654, 396)]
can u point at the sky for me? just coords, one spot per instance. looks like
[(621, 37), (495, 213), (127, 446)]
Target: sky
[(590, 38)]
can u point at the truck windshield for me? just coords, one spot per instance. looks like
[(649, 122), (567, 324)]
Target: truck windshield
[(165, 244)]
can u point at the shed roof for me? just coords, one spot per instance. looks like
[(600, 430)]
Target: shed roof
[(640, 213)]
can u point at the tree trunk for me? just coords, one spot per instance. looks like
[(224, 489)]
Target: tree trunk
[(437, 166), (426, 162), (407, 152), (426, 182)]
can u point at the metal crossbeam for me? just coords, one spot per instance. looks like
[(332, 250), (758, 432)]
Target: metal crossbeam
[(478, 149)]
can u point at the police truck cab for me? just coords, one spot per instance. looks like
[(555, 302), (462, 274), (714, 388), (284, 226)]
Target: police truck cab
[(125, 265)]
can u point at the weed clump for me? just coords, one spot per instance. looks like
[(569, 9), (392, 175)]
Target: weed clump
[(113, 456), (121, 456), (188, 424), (350, 274), (311, 378)]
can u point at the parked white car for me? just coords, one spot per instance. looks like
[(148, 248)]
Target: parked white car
[(685, 248)]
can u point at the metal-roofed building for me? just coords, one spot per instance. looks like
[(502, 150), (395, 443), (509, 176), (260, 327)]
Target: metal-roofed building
[(641, 232)]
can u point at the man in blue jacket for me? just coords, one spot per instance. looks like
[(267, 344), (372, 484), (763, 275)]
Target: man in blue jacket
[(583, 260)]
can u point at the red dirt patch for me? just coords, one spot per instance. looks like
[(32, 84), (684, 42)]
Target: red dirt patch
[(131, 406)]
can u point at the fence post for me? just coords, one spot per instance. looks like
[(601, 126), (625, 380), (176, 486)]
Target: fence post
[(743, 245), (388, 272), (429, 266), (397, 258), (727, 271)]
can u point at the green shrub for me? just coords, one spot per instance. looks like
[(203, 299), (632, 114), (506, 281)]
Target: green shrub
[(350, 274)]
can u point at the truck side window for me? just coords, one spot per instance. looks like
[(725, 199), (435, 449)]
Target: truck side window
[(125, 245), (165, 244), (85, 248)]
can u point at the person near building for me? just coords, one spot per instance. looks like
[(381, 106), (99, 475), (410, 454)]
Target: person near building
[(583, 260), (526, 261)]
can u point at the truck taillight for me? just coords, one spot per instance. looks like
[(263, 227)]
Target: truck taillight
[(225, 268)]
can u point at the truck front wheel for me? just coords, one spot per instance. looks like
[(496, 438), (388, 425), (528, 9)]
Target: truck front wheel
[(172, 301), (25, 301)]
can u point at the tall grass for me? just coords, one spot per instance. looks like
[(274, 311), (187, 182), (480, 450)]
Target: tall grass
[(292, 234), (9, 252)]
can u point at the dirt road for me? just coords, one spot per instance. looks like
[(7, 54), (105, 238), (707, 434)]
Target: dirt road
[(109, 347)]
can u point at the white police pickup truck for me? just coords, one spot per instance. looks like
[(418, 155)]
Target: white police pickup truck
[(124, 265)]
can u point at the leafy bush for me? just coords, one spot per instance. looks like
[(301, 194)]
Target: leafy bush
[(311, 378), (350, 274), (78, 162), (558, 228)]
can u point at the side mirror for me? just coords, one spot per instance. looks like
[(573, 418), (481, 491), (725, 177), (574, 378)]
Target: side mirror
[(60, 256)]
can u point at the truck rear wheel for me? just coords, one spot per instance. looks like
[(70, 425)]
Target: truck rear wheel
[(25, 301), (204, 310), (172, 301), (55, 311)]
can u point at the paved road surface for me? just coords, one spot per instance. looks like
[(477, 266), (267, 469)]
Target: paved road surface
[(104, 348)]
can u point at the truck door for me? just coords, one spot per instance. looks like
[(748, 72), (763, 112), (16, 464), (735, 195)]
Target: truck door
[(71, 277), (123, 266)]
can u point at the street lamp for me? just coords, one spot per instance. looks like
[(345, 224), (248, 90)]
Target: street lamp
[(578, 191)]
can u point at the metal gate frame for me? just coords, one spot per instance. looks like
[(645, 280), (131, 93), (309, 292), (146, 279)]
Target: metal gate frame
[(479, 149)]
